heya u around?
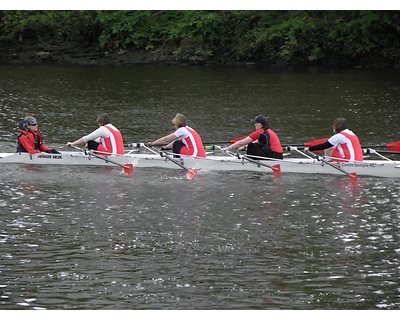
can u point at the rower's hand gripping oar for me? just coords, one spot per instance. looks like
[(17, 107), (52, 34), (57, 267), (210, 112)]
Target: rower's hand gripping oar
[(276, 169), (353, 176), (191, 173), (128, 167)]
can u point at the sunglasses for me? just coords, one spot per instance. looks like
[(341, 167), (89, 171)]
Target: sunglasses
[(32, 123)]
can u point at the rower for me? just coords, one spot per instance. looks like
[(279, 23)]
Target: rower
[(263, 142), (342, 146)]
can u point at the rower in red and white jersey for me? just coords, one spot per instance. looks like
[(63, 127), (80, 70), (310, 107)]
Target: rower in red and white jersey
[(343, 146), (106, 140), (183, 141)]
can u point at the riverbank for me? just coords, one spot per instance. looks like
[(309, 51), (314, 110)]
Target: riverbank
[(29, 53), (35, 53)]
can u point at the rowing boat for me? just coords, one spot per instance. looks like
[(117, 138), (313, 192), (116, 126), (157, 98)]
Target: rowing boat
[(374, 168), (64, 158)]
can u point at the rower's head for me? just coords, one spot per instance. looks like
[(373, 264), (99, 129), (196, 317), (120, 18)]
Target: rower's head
[(262, 120), (179, 120), (103, 119), (339, 125), (30, 124)]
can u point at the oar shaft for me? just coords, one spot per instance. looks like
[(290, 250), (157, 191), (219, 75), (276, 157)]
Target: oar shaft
[(216, 142), (366, 150), (139, 144), (256, 161), (155, 151), (190, 173), (96, 156), (175, 161), (327, 162)]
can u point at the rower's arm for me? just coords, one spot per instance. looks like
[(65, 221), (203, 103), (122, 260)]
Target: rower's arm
[(321, 146), (164, 140), (240, 143)]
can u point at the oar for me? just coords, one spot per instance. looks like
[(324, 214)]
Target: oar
[(210, 143), (237, 139), (139, 144), (353, 176), (134, 145), (392, 146), (191, 173), (378, 153), (381, 151), (307, 144), (276, 169), (290, 148), (315, 142), (224, 142), (128, 167)]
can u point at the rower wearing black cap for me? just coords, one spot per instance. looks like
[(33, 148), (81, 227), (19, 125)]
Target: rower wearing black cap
[(263, 142)]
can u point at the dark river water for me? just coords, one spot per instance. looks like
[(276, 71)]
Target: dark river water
[(90, 238)]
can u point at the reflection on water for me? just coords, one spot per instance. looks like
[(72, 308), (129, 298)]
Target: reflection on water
[(219, 102), (92, 238), (218, 242)]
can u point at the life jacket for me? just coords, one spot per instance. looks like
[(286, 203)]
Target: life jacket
[(270, 141), (194, 144), (36, 139), (114, 144), (349, 151)]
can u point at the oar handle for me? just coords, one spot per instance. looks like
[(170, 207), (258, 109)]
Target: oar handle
[(315, 156), (141, 144), (77, 148), (294, 148)]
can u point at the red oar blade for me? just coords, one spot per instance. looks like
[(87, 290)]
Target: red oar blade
[(394, 146), (353, 178), (237, 139), (191, 174), (276, 169), (128, 169), (315, 142)]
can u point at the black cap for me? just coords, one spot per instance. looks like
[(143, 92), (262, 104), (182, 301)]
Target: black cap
[(260, 119)]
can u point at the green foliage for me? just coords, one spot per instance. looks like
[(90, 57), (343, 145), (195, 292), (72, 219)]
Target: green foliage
[(267, 36), (361, 32), (123, 28), (51, 27), (200, 27)]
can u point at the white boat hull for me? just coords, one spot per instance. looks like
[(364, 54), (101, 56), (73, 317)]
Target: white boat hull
[(375, 168), (379, 168), (65, 158)]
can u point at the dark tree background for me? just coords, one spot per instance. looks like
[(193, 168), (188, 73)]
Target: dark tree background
[(267, 37)]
